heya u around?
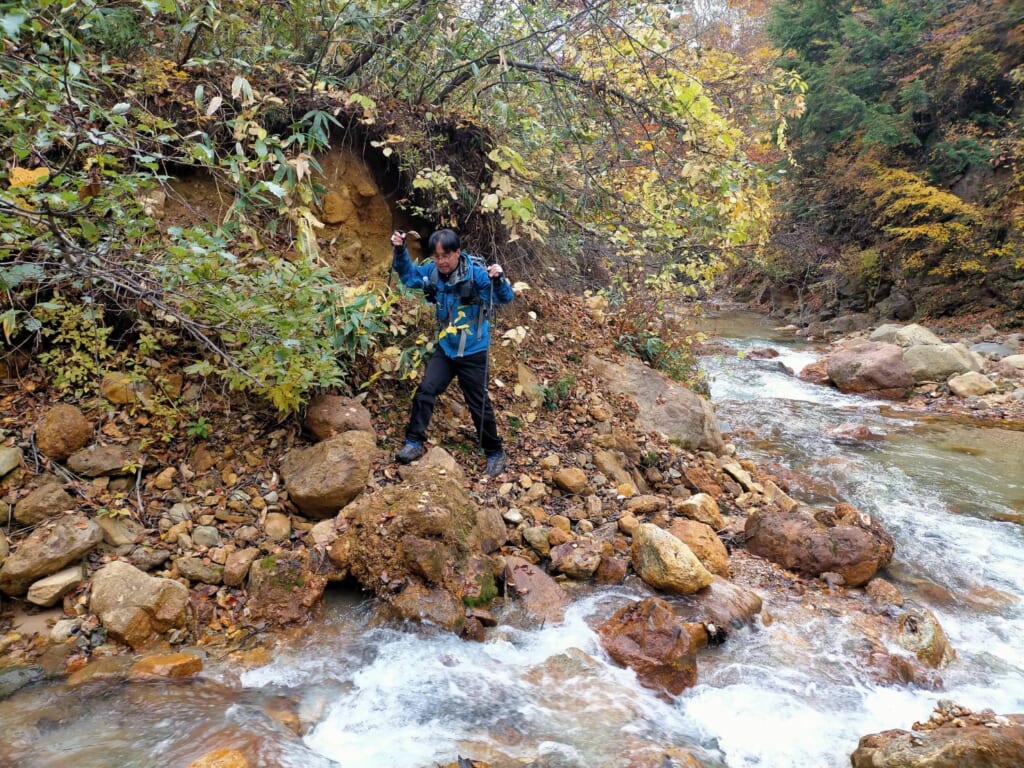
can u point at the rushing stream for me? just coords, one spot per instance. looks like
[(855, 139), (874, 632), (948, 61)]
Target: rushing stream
[(785, 695)]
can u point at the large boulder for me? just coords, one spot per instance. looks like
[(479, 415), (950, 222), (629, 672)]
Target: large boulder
[(647, 637), (137, 608), (428, 533), (842, 541), (323, 478), (905, 335), (62, 431), (663, 405), (937, 362), (666, 563), (47, 550), (872, 368), (330, 415), (960, 739)]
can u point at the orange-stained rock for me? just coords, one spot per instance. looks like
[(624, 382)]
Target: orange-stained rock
[(170, 665), (648, 638), (62, 431), (221, 758)]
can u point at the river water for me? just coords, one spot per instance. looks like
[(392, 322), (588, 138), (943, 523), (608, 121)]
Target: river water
[(785, 695)]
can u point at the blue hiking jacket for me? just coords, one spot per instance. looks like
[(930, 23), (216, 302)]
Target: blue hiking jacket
[(460, 332)]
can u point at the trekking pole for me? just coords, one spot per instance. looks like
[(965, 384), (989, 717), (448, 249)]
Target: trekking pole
[(487, 363)]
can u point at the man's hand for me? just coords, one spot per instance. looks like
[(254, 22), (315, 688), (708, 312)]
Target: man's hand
[(495, 272), (398, 238)]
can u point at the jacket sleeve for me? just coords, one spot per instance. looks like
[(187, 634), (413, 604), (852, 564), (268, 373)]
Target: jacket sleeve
[(411, 275), (501, 290)]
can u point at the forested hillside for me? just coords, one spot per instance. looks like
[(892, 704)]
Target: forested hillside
[(578, 141), (910, 181)]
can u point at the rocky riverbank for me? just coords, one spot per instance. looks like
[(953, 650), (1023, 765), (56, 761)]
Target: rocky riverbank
[(207, 545)]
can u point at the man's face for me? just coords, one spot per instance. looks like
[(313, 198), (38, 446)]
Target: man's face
[(446, 261)]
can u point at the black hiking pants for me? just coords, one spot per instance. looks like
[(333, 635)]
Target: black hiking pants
[(471, 371)]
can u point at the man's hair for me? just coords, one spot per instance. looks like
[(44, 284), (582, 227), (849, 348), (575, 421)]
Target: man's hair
[(448, 240)]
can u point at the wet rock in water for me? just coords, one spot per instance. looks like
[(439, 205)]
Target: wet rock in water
[(763, 353), (884, 593), (612, 569), (887, 668), (45, 501), (135, 607), (47, 550), (221, 758), (921, 634), (725, 605), (576, 560), (48, 591), (62, 431), (536, 593), (666, 563), (971, 384), (703, 508), (816, 372), (325, 477), (13, 679), (968, 740), (663, 405), (704, 543), (173, 666), (283, 587), (842, 540), (418, 602), (330, 415), (937, 362), (851, 434), (648, 638), (871, 368)]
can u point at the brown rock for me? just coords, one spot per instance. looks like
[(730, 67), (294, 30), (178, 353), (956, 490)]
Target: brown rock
[(135, 607), (884, 593), (874, 368), (277, 526), (816, 372), (120, 389), (648, 638), (979, 742), (330, 415), (48, 591), (644, 505), (702, 508), (106, 460), (62, 431), (853, 545), (417, 602), (571, 480), (666, 563), (325, 477), (704, 543), (436, 462), (535, 592), (920, 633), (236, 567), (45, 501), (576, 560), (172, 666), (221, 758), (283, 587), (47, 550), (699, 480)]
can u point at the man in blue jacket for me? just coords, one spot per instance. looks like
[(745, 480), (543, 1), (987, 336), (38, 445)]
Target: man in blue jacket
[(461, 291)]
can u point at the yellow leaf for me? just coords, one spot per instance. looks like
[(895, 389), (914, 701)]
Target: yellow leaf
[(23, 177)]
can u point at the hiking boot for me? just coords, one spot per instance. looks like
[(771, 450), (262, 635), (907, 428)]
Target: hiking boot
[(495, 464), (410, 452)]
